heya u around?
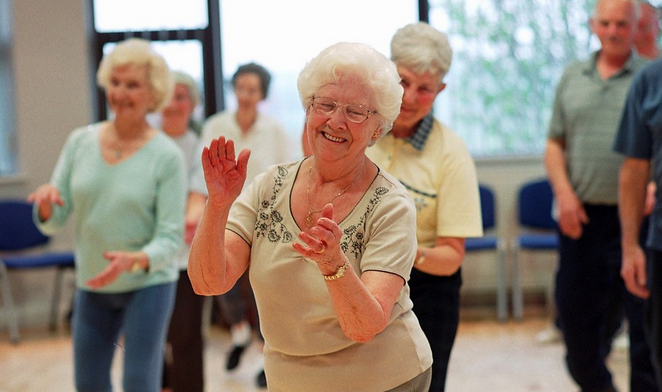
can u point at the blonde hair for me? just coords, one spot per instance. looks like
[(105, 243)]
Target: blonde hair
[(137, 51)]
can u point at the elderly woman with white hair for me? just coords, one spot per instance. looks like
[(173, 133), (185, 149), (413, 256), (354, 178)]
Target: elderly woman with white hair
[(123, 182), (184, 365), (434, 164), (329, 241)]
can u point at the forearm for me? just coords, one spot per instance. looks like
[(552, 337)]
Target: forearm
[(363, 313), (556, 167), (633, 182), (444, 259), (195, 206), (207, 257)]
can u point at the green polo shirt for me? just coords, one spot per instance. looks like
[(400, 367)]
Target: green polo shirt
[(586, 113)]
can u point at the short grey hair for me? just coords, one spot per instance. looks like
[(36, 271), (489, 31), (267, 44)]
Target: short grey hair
[(373, 70), (187, 81), (137, 51), (422, 48)]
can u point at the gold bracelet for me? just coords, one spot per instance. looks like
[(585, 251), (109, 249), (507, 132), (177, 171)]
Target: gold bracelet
[(340, 272)]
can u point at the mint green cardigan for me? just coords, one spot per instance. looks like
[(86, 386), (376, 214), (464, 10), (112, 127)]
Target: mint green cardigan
[(137, 204)]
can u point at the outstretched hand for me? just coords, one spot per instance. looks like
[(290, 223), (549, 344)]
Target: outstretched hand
[(224, 175), (44, 197), (119, 262)]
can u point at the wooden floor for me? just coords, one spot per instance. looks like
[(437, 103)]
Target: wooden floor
[(488, 357)]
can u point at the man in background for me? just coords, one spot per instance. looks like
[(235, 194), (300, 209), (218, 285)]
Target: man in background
[(648, 31), (581, 165)]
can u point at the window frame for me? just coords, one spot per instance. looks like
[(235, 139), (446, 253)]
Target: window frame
[(209, 38)]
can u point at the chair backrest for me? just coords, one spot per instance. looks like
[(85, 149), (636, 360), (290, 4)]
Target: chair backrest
[(17, 230), (535, 205), (487, 206)]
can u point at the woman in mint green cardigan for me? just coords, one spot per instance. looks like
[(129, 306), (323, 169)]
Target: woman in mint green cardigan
[(122, 182)]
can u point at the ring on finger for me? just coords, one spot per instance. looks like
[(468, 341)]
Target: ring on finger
[(323, 248)]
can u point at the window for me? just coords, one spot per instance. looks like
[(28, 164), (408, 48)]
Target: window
[(508, 54), (508, 57), (180, 30), (149, 15), (8, 148)]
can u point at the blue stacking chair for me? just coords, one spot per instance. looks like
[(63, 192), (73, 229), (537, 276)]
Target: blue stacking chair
[(491, 242), (538, 232), (22, 247)]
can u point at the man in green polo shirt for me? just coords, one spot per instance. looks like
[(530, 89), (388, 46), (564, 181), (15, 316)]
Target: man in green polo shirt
[(582, 169)]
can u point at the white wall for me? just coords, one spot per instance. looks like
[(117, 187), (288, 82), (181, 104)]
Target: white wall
[(52, 95)]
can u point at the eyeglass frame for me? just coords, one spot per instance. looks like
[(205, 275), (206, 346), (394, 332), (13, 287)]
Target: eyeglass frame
[(344, 109)]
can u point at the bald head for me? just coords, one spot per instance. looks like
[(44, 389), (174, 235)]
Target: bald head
[(614, 23)]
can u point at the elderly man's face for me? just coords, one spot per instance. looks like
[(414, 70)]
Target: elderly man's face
[(648, 29), (614, 24), (420, 92)]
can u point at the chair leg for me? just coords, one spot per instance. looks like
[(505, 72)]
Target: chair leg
[(55, 304), (12, 317), (518, 300), (502, 285)]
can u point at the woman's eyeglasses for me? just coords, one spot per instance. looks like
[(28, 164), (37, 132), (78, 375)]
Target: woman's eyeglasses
[(353, 112)]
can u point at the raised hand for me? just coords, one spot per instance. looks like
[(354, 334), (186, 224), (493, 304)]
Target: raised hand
[(224, 175)]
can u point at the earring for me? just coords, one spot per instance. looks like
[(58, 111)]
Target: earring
[(375, 135)]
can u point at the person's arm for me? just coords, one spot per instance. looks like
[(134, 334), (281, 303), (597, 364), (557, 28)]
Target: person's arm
[(43, 198), (444, 259), (572, 215), (362, 304), (195, 206), (53, 200), (633, 180), (219, 257)]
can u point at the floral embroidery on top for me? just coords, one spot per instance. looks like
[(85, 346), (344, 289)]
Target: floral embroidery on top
[(269, 221), (353, 240)]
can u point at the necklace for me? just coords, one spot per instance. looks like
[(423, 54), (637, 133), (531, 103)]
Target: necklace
[(309, 215)]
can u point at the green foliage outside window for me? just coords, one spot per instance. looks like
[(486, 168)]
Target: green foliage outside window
[(508, 56)]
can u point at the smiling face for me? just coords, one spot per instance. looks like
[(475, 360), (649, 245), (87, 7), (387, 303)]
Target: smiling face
[(333, 137), (420, 91), (129, 94)]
